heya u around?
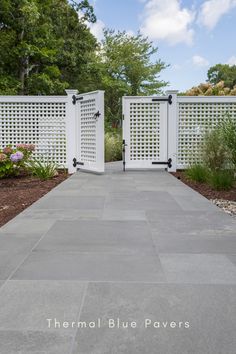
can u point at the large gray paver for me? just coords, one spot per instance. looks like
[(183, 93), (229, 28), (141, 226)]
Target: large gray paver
[(123, 237), (58, 202), (209, 309), (26, 305), (90, 267), (9, 262), (142, 201), (194, 244), (198, 268), (27, 226), (35, 342), (191, 222)]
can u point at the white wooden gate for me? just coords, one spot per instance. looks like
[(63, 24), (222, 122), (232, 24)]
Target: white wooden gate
[(145, 132), (90, 131)]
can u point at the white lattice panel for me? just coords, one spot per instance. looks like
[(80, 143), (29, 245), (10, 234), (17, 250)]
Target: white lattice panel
[(145, 132), (195, 119), (88, 130), (90, 152), (35, 122)]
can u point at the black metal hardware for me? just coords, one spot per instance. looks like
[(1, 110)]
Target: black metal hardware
[(123, 154), (97, 115), (76, 163), (169, 99), (168, 163), (75, 99)]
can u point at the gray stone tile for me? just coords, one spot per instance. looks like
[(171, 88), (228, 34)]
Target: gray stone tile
[(26, 305), (116, 214), (198, 268), (194, 202), (142, 201), (191, 222), (62, 214), (90, 267), (72, 203), (9, 261), (209, 309), (18, 243), (195, 244), (27, 226), (120, 237), (35, 342)]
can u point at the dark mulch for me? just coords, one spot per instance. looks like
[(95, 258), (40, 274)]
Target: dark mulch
[(205, 189), (18, 193)]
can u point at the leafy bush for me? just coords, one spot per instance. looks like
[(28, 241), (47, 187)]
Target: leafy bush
[(113, 147), (197, 173), (215, 153), (14, 161), (43, 170), (228, 127), (221, 180)]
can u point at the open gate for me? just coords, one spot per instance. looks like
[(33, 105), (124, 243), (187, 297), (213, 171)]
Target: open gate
[(89, 131), (145, 132)]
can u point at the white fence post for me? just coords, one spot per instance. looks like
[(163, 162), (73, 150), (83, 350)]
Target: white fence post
[(172, 129), (71, 131)]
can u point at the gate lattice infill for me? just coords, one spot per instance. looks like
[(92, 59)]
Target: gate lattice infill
[(152, 120), (90, 129)]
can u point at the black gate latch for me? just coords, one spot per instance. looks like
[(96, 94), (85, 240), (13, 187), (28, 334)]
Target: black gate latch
[(76, 163), (97, 115), (168, 163)]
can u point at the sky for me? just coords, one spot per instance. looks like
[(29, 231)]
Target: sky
[(191, 36)]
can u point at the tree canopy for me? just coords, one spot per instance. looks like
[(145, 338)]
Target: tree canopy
[(44, 45), (127, 69), (222, 72)]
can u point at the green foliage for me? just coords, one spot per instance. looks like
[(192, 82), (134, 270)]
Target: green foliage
[(197, 173), (113, 147), (215, 153), (222, 72), (221, 180), (127, 69), (228, 127), (43, 170), (45, 46)]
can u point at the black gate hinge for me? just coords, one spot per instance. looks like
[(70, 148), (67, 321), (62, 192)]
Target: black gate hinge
[(169, 99), (168, 163), (77, 163), (76, 98)]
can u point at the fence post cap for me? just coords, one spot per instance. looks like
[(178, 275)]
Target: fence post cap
[(172, 91), (71, 92)]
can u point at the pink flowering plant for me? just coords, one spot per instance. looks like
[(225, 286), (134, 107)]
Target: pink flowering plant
[(14, 161)]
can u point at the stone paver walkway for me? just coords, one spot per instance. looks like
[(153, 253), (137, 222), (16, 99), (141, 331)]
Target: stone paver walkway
[(137, 246)]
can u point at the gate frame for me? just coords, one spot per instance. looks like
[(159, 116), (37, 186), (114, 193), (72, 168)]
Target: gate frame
[(172, 127), (73, 131)]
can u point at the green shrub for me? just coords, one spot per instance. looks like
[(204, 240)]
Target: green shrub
[(228, 127), (13, 162), (43, 170), (221, 180), (215, 153), (197, 173), (113, 147)]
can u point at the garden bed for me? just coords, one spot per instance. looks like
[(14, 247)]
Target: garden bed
[(18, 193), (224, 199)]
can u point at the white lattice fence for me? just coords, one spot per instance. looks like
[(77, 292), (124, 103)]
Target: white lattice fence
[(196, 116), (35, 120)]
